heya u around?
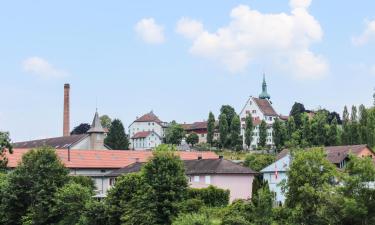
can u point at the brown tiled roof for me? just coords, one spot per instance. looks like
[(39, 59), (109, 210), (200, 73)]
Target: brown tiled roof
[(149, 117), (335, 154), (283, 117), (57, 142), (195, 126), (196, 166), (265, 106), (114, 159), (142, 134)]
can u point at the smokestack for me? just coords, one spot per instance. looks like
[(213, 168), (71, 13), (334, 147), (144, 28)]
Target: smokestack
[(66, 121)]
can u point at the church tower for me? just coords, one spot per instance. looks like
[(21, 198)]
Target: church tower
[(97, 134), (264, 94)]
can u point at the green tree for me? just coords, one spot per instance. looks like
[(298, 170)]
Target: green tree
[(278, 134), (229, 113), (306, 137), (94, 214), (333, 138), (5, 145), (28, 194), (363, 120), (174, 133), (70, 201), (192, 139), (116, 138), (262, 134), (87, 182), (345, 138), (193, 219), (319, 129), (354, 127), (257, 162), (80, 129), (235, 133), (223, 130), (290, 127), (210, 128), (307, 191), (105, 121), (262, 201), (297, 110), (249, 128)]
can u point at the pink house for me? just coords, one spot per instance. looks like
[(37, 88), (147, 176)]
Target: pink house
[(218, 172)]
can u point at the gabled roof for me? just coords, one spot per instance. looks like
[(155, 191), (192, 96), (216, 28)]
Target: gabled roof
[(265, 106), (57, 142), (143, 134), (149, 117), (195, 126), (113, 159), (196, 166)]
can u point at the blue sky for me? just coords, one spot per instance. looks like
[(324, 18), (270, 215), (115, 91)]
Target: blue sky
[(180, 59)]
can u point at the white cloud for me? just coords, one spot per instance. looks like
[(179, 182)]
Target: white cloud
[(367, 34), (280, 39), (149, 31), (42, 68)]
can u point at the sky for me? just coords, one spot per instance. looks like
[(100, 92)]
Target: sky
[(180, 59)]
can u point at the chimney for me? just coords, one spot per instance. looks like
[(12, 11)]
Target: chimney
[(199, 156), (66, 120), (221, 157)]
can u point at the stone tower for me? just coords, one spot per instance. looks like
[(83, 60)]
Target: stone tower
[(97, 134)]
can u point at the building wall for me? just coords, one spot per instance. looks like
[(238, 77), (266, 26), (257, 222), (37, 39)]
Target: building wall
[(145, 143), (149, 142), (274, 184), (99, 176), (93, 141), (239, 185)]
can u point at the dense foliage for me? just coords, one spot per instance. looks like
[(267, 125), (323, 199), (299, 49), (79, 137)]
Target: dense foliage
[(5, 145), (192, 139), (116, 138), (211, 196), (174, 133), (210, 128), (80, 129)]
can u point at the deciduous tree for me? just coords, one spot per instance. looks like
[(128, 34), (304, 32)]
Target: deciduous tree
[(5, 145), (80, 129), (235, 133), (174, 133), (223, 130), (105, 121), (262, 134), (210, 128), (192, 139)]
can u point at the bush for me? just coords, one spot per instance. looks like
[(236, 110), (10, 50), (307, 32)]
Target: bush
[(211, 196), (258, 161), (192, 219), (192, 205), (87, 182)]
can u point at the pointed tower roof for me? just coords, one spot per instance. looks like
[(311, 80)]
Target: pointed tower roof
[(96, 126), (264, 94)]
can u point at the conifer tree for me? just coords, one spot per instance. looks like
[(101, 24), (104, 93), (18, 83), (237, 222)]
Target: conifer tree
[(117, 138), (278, 134), (333, 133), (249, 127), (235, 133), (290, 127), (223, 130), (210, 128), (262, 134), (354, 128), (363, 117), (345, 138)]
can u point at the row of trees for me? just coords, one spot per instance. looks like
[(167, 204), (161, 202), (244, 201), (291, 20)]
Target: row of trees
[(324, 128)]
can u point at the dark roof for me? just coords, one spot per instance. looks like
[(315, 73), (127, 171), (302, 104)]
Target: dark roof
[(149, 117), (142, 134), (57, 142), (265, 106), (197, 166), (335, 154)]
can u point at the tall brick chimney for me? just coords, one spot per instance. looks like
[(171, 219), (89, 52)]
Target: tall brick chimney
[(66, 121)]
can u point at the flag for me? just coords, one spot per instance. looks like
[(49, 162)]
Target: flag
[(276, 173)]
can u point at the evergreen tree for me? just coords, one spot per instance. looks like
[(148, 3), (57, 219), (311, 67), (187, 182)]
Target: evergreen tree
[(345, 138), (210, 128), (235, 133), (319, 129), (262, 134), (354, 127), (174, 133), (333, 133), (363, 117), (223, 130), (116, 138), (297, 111), (249, 127), (5, 145), (192, 139), (278, 134), (306, 131)]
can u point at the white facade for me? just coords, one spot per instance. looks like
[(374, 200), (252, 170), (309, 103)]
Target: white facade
[(150, 141), (252, 108), (136, 127)]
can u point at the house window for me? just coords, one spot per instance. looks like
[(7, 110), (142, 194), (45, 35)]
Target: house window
[(207, 179), (202, 135), (196, 178), (254, 111), (112, 181)]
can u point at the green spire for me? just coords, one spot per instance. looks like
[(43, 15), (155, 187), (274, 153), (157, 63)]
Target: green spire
[(264, 94)]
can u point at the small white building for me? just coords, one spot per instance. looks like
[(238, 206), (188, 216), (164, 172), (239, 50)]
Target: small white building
[(146, 132), (259, 109)]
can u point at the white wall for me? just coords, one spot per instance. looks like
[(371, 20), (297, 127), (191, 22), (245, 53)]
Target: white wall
[(149, 142)]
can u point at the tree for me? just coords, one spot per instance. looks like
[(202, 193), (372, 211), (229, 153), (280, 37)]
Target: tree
[(229, 113), (319, 129), (249, 127), (354, 127), (210, 128), (333, 115), (235, 133), (333, 133), (192, 139), (308, 191), (363, 117), (223, 130), (290, 127), (257, 162), (278, 134), (297, 110), (29, 193), (262, 134), (174, 133), (105, 121), (262, 201), (5, 145), (84, 181), (80, 129), (70, 201), (345, 138), (116, 138)]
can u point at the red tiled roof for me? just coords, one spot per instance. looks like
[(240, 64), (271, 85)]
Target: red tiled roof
[(265, 106), (142, 134), (149, 117), (103, 158)]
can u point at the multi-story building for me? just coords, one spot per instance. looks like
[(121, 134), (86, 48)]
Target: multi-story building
[(146, 132), (259, 109)]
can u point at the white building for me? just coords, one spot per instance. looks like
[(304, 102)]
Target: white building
[(146, 132), (259, 109)]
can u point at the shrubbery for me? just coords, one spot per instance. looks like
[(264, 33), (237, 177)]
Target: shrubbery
[(211, 196)]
